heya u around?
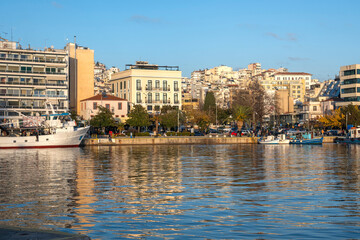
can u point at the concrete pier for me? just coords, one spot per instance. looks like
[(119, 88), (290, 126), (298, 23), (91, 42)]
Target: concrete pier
[(177, 140), (19, 233)]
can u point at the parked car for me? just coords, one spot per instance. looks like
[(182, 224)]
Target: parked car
[(245, 132), (197, 133)]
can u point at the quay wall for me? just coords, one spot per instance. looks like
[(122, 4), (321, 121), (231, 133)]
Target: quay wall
[(177, 140)]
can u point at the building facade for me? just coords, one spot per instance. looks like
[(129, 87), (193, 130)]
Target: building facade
[(118, 106), (31, 78), (349, 85), (151, 86), (81, 72)]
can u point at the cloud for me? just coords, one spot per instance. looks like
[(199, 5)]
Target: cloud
[(144, 19), (274, 35), (294, 59), (290, 37), (57, 5)]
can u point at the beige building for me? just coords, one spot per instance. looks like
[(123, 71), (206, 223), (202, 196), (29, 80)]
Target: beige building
[(81, 74), (285, 102), (296, 85), (118, 106), (152, 86), (31, 78), (350, 85)]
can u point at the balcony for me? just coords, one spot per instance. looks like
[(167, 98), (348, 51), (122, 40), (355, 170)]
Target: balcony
[(31, 60), (32, 95), (32, 72), (33, 84)]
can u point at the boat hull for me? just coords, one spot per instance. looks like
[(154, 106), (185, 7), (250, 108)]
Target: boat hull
[(315, 141), (61, 139)]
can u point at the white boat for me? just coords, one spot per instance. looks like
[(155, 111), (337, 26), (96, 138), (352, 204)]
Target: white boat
[(49, 131), (269, 140), (281, 139)]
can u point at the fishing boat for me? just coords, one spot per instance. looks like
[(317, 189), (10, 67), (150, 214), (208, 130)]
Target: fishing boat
[(281, 139), (269, 140), (46, 131), (306, 138), (352, 138)]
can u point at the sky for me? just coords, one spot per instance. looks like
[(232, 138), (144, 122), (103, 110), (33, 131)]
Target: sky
[(316, 36)]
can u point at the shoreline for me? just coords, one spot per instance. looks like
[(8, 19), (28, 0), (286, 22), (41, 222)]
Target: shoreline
[(176, 141)]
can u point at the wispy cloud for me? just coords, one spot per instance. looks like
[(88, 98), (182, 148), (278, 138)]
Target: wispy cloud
[(56, 4), (291, 37), (294, 59), (144, 19)]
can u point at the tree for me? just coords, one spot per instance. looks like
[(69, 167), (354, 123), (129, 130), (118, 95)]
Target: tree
[(170, 117), (334, 120), (209, 103), (255, 98), (138, 117), (351, 115), (201, 119), (241, 114), (104, 118)]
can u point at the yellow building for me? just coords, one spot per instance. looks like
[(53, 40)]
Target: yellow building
[(296, 87), (285, 103), (81, 75), (189, 103), (150, 85)]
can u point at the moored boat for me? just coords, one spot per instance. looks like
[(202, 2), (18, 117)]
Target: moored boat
[(50, 131), (353, 138), (307, 138)]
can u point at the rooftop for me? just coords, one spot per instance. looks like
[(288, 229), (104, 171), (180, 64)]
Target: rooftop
[(104, 97), (145, 65), (292, 73)]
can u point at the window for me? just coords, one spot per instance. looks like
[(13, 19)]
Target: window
[(94, 105), (157, 97), (349, 72), (125, 84), (348, 90), (119, 106), (149, 97), (314, 108), (120, 85), (26, 69), (176, 98), (149, 108), (138, 84), (165, 86), (157, 84), (164, 98), (138, 97), (149, 86), (176, 86), (351, 81), (124, 95), (107, 106)]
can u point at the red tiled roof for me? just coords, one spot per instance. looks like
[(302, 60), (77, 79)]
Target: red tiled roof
[(104, 98), (292, 73)]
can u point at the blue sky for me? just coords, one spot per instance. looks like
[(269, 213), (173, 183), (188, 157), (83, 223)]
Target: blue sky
[(315, 36)]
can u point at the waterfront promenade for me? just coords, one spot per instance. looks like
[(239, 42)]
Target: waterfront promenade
[(177, 140)]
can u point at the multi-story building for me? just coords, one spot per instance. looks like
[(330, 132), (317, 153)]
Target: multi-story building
[(29, 78), (81, 61), (294, 76), (152, 86), (350, 85)]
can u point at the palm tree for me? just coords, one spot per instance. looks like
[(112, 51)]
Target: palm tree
[(241, 114)]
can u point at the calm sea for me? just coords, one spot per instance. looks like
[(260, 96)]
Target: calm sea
[(185, 191)]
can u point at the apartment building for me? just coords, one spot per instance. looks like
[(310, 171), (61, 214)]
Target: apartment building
[(294, 76), (150, 85), (29, 78), (81, 72), (349, 85)]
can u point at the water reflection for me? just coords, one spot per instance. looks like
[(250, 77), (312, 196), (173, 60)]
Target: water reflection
[(222, 191)]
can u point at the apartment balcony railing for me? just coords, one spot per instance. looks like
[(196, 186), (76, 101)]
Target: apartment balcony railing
[(156, 89), (34, 84), (31, 60), (176, 102), (32, 95), (32, 72), (28, 107)]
